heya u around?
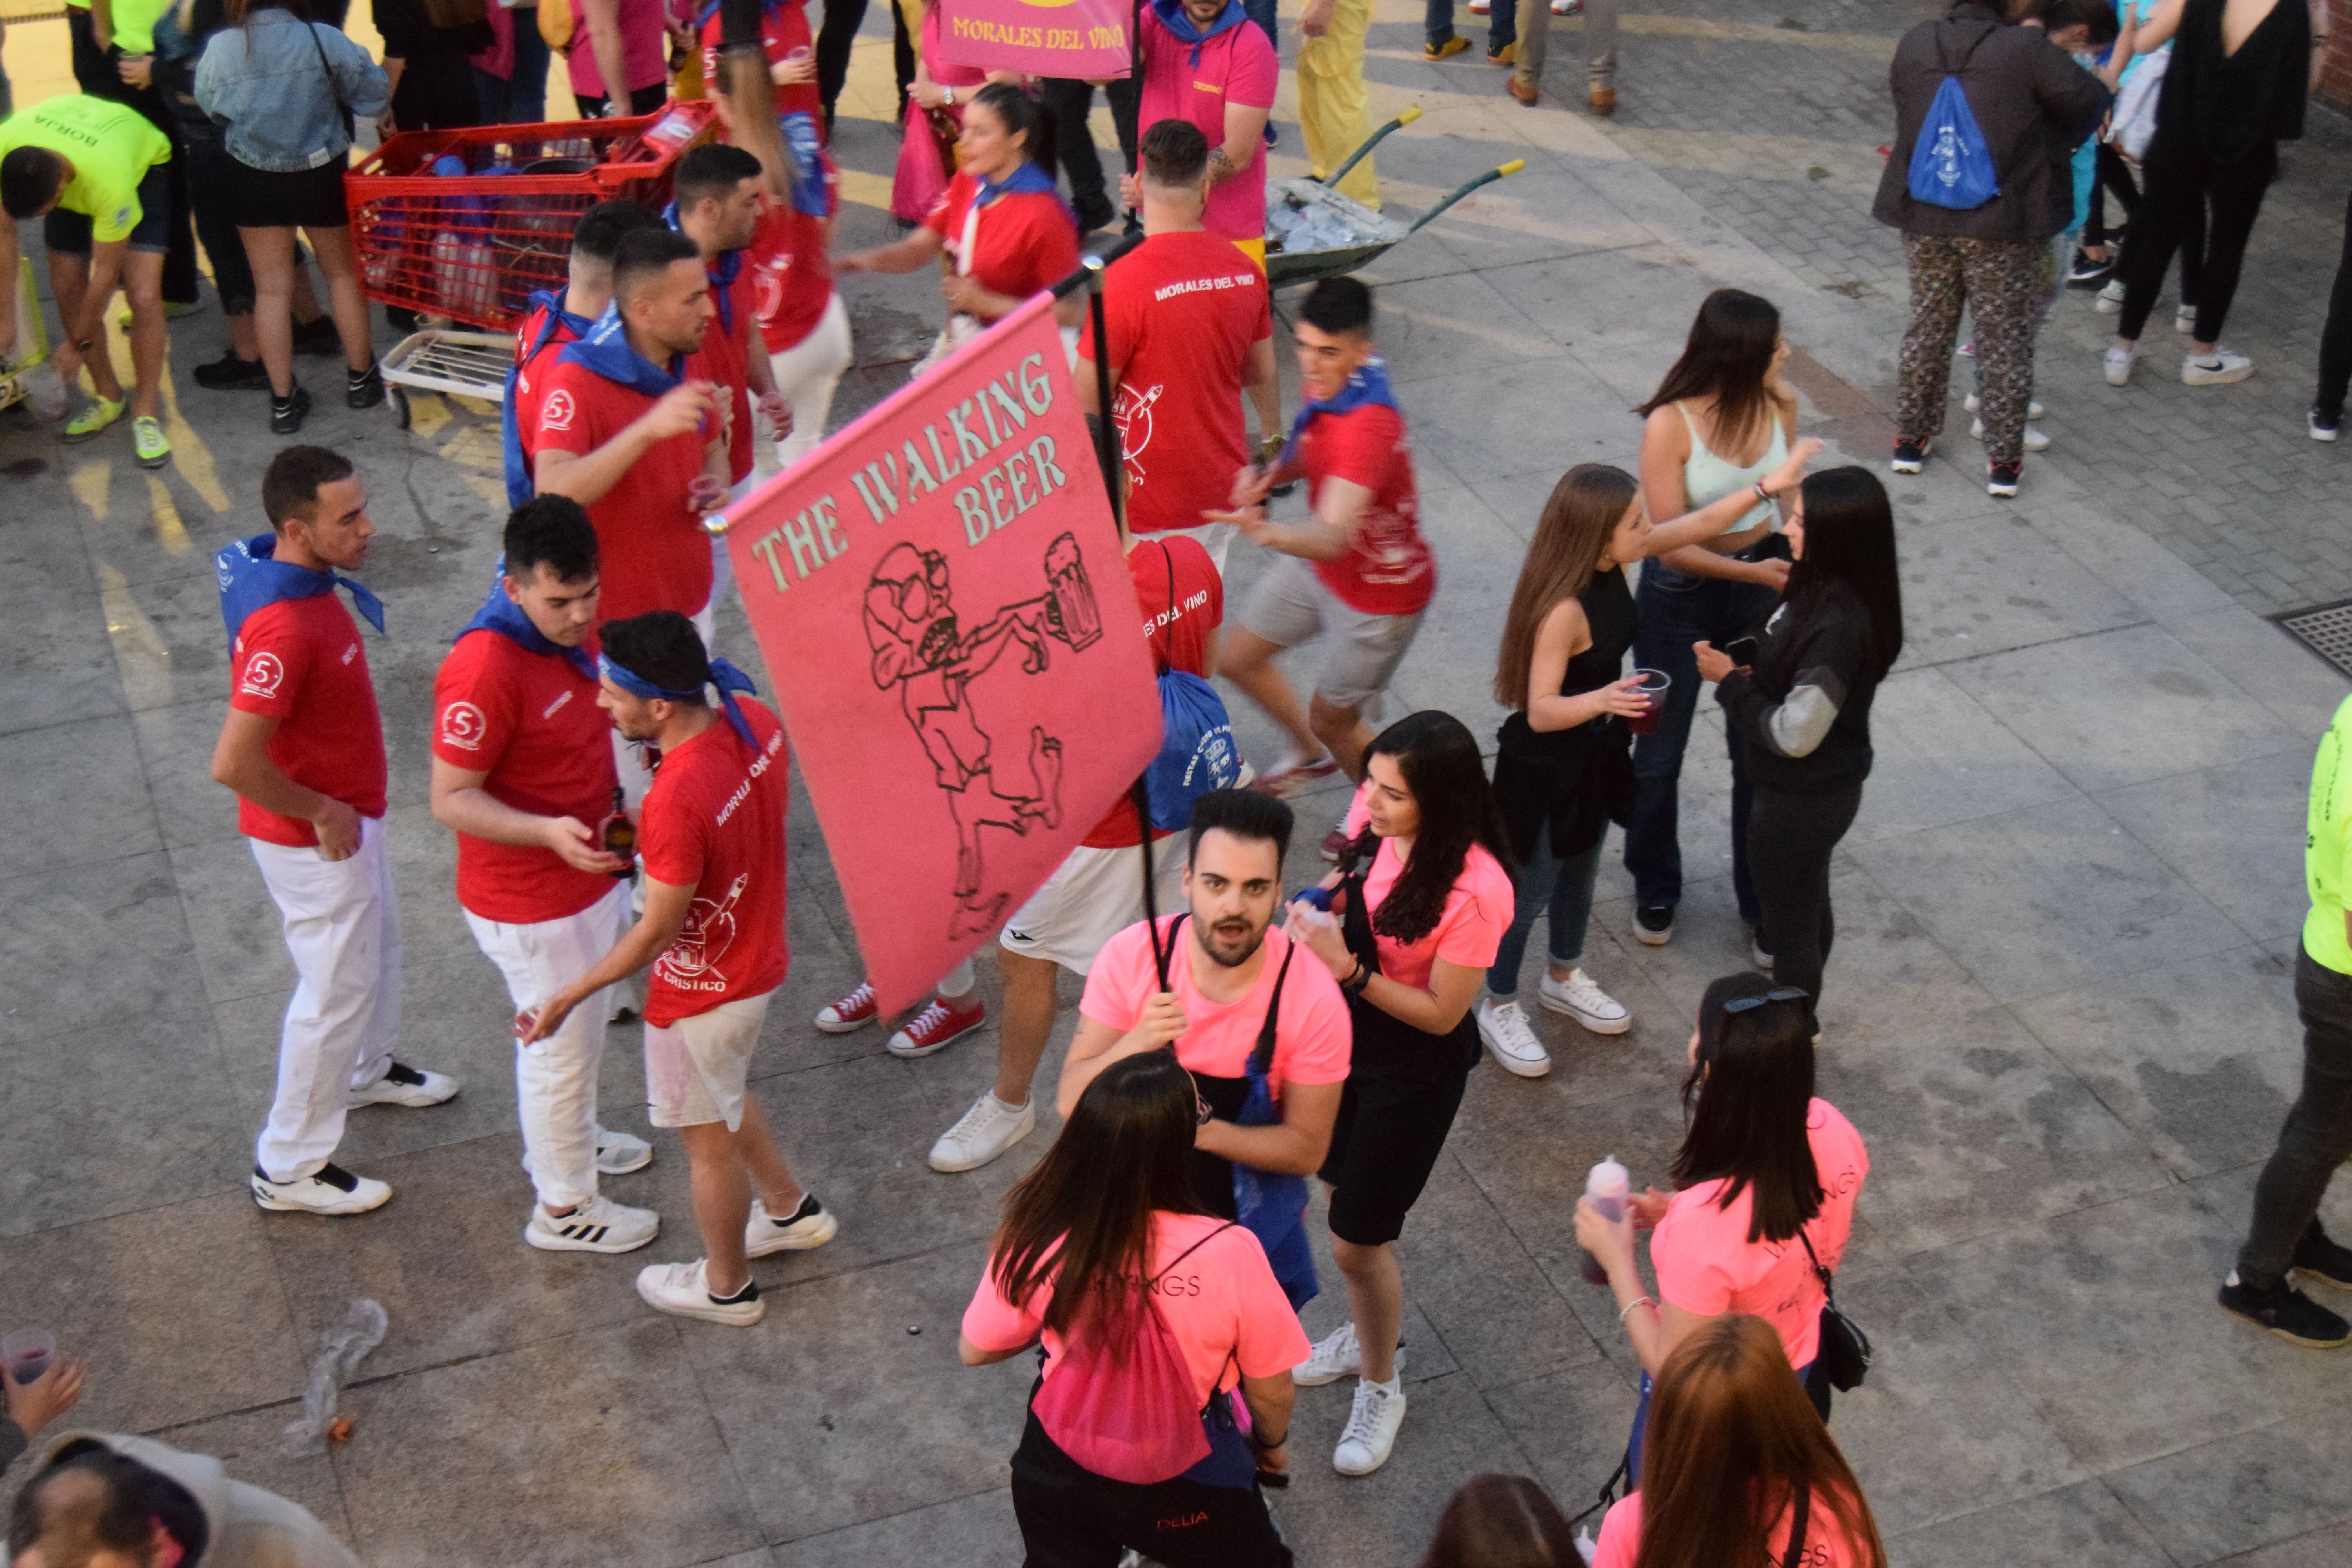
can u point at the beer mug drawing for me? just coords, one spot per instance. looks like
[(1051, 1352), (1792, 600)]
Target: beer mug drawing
[(1071, 613)]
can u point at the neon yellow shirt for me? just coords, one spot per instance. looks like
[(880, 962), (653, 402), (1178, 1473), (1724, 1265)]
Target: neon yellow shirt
[(110, 146), (2327, 845)]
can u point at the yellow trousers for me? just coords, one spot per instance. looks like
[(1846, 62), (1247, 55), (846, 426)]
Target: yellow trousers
[(1334, 110)]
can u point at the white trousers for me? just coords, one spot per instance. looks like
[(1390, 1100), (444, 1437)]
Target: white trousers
[(806, 373), (342, 930), (555, 1078)]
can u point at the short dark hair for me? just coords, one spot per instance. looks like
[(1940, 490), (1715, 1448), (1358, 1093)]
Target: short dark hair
[(712, 169), (97, 1500), (30, 178), (554, 531), (662, 647), (602, 227), (1243, 813), (291, 483), (1174, 153), (1339, 305), (645, 255), (2097, 15)]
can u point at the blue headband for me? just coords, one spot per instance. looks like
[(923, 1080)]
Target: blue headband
[(723, 674)]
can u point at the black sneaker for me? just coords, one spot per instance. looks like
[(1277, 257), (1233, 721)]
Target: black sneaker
[(404, 320), (2086, 273), (364, 390), (2286, 1312), (2000, 478), (1910, 457), (287, 414), (2317, 1257), (230, 374), (1654, 924), (2326, 424), (318, 337), (1099, 214)]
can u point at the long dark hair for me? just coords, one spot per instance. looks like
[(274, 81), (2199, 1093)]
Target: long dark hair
[(1748, 1096), (1583, 512), (1849, 556), (1732, 1439), (1439, 758), (1082, 1219), (1021, 115), (1726, 357), (1497, 1521)]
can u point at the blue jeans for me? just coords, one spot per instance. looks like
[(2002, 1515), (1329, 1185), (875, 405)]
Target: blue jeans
[(1261, 12), (1567, 887), (1437, 21), (1677, 610)]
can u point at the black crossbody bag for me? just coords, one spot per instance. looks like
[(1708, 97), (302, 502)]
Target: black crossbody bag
[(1845, 1351)]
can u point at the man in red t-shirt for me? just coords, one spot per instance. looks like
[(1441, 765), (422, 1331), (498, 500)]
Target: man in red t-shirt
[(1357, 570), (1203, 64), (303, 749), (523, 773), (712, 838), (1190, 328), (557, 318)]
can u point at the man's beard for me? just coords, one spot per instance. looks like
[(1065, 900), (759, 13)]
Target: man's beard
[(1223, 955)]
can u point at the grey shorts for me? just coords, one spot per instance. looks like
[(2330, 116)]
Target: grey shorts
[(1290, 604)]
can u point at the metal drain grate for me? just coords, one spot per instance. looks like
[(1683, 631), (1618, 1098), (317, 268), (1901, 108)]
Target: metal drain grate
[(2325, 630)]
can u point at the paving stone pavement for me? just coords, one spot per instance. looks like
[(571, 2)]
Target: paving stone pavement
[(2058, 1009)]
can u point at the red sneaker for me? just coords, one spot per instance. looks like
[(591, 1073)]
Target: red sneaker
[(1335, 844), (853, 1012), (936, 1026)]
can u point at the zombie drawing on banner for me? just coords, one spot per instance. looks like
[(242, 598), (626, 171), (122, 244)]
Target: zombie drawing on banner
[(919, 648)]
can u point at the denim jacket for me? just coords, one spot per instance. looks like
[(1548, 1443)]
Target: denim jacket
[(280, 110)]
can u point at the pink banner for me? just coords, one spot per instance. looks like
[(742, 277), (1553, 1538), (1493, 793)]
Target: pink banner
[(938, 592), (1082, 39)]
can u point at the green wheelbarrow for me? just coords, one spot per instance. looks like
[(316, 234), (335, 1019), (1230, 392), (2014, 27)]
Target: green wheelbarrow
[(1298, 251)]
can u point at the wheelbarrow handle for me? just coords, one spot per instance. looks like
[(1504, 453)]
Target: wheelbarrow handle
[(1489, 178), (1364, 152)]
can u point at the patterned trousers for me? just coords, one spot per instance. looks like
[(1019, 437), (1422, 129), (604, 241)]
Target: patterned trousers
[(1999, 281)]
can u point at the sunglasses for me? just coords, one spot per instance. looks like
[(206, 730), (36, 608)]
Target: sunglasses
[(1777, 994)]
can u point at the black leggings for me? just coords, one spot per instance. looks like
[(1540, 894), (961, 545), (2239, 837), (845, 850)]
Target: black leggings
[(2181, 185), (2335, 338), (1072, 1518), (2113, 174), (1790, 840)]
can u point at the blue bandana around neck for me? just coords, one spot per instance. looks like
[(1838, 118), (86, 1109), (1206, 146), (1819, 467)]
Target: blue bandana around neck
[(520, 485), (605, 351), (1172, 16), (1026, 179), (501, 615), (252, 578), (723, 674), (1368, 383), (721, 272)]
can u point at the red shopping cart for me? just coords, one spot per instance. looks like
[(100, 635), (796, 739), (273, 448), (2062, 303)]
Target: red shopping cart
[(466, 225)]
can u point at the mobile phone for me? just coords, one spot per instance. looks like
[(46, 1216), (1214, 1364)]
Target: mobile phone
[(1741, 651)]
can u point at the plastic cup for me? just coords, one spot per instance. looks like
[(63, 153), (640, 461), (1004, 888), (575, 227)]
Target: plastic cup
[(1652, 687), (27, 1353)]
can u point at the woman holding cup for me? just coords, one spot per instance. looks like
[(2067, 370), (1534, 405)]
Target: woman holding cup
[(1563, 768), (36, 1388)]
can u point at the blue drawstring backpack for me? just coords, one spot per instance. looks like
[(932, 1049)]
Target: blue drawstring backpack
[(1196, 747), (1950, 164), (1270, 1205)]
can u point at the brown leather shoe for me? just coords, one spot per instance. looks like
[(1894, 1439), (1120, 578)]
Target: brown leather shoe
[(1525, 91), (1604, 101)]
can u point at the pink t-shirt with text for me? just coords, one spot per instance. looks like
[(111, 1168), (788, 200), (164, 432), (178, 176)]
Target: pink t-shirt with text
[(1825, 1547), (1221, 1304), (1311, 1037), (1477, 912), (1706, 1265)]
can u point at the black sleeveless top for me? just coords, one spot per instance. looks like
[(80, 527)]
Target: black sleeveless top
[(1575, 781)]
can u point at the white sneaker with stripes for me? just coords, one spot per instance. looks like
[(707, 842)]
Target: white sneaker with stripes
[(600, 1224)]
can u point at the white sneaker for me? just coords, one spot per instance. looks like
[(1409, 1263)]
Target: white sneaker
[(328, 1190), (618, 1154), (403, 1085), (2110, 300), (2184, 320), (1758, 954), (1370, 1434), (2035, 441), (1337, 1355), (680, 1288), (1972, 403), (600, 1224), (810, 1224), (2118, 364), (1585, 1002), (1514, 1045), (2222, 369), (986, 1130)]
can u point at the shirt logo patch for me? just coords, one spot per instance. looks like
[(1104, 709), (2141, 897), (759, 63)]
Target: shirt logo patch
[(561, 698), (463, 726), (556, 413), (351, 653), (263, 674)]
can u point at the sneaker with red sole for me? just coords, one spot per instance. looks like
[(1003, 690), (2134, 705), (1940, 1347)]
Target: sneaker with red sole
[(1335, 844), (852, 1012), (936, 1026), (1292, 775)]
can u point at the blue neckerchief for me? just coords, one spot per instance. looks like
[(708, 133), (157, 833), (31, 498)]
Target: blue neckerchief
[(605, 350), (501, 615), (720, 272), (520, 485), (723, 674), (804, 146), (251, 577), (1370, 383), (1026, 179), (1172, 17)]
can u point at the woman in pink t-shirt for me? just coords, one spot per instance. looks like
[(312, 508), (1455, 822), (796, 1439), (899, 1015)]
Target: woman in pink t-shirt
[(1102, 1249), (1420, 904), (1767, 1178), (1733, 1448)]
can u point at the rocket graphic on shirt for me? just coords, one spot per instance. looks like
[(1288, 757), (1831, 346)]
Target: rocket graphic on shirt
[(691, 962)]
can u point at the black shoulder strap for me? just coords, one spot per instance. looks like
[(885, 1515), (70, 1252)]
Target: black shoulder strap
[(1188, 1252), (1262, 1060), (1803, 1504), (1157, 658), (1828, 1288)]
